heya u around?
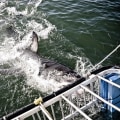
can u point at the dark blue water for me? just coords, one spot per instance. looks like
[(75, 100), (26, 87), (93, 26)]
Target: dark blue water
[(83, 30)]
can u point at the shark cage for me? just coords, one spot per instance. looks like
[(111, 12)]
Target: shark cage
[(86, 99)]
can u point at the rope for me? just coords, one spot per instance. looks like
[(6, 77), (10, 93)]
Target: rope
[(38, 101), (114, 50)]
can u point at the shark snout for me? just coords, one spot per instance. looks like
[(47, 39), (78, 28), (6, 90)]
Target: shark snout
[(34, 44)]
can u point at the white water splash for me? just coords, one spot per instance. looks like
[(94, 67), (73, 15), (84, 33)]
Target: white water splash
[(6, 51), (83, 65), (49, 81), (40, 29), (12, 11), (31, 65), (24, 43), (2, 4), (35, 2), (54, 80), (12, 51), (33, 5)]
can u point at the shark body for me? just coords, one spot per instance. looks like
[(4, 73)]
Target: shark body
[(40, 66)]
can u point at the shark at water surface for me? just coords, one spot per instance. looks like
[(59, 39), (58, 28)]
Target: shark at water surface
[(33, 64)]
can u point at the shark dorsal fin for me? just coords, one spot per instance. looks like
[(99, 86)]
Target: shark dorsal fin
[(34, 44)]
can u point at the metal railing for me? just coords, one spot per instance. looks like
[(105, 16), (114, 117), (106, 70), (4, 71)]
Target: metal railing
[(80, 102)]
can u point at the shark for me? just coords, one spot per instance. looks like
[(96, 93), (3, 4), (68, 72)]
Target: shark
[(39, 66)]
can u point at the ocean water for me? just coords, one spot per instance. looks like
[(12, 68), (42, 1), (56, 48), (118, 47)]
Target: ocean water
[(78, 34)]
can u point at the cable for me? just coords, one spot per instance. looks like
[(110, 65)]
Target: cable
[(114, 50)]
